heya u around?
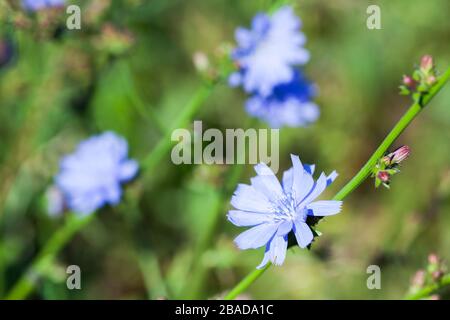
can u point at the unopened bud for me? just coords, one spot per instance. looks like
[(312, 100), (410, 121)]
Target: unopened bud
[(437, 275), (426, 64), (383, 176), (400, 154), (431, 80), (433, 259), (201, 61), (396, 156), (408, 81), (419, 279)]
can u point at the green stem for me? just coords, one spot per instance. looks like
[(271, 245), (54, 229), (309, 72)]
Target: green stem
[(164, 145), (24, 286), (246, 282), (429, 290), (198, 269), (365, 171)]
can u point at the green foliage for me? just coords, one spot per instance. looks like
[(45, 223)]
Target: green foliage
[(62, 87)]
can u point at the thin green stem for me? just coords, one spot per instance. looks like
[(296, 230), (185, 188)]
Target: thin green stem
[(188, 112), (44, 260), (246, 282), (429, 290), (365, 171), (198, 269)]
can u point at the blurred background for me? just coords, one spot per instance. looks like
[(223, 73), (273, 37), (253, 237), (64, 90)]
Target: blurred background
[(130, 69)]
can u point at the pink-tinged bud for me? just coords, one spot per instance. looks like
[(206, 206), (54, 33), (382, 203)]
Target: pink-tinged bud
[(437, 275), (426, 63), (433, 259), (383, 176), (396, 156), (408, 81), (419, 279), (435, 297), (431, 80), (400, 154)]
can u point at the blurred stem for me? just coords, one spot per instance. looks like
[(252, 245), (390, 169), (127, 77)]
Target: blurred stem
[(429, 290), (147, 260), (366, 170), (246, 282), (164, 145), (26, 283), (198, 269), (146, 112)]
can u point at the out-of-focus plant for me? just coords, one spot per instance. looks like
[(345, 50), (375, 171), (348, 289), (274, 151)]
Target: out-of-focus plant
[(427, 282)]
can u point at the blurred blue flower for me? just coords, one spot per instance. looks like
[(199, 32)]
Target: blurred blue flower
[(288, 105), (91, 177), (267, 52), (35, 5), (273, 210)]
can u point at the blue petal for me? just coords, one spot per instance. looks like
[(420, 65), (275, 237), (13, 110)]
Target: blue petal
[(278, 250), (309, 168), (256, 237), (316, 190), (331, 177), (275, 251), (288, 177), (128, 170), (235, 79), (303, 233), (247, 198), (284, 228), (113, 194), (302, 182), (247, 219), (325, 207), (267, 183)]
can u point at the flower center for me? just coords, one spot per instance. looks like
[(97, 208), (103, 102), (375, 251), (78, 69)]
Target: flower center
[(285, 207)]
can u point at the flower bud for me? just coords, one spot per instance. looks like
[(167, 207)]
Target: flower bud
[(408, 81), (431, 80), (201, 61), (426, 64), (419, 279), (396, 156), (400, 154), (433, 259), (437, 275), (383, 176)]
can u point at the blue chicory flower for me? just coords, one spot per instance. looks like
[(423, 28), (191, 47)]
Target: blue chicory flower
[(273, 210), (35, 5), (91, 177), (267, 52), (289, 104)]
